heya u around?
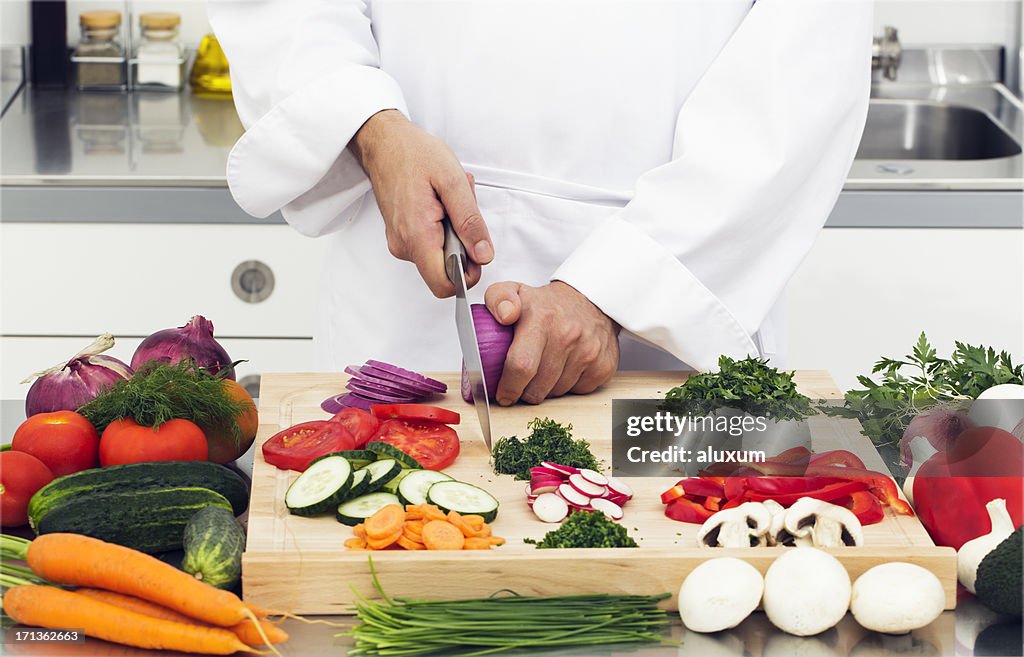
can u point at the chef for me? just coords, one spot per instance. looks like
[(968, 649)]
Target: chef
[(635, 181)]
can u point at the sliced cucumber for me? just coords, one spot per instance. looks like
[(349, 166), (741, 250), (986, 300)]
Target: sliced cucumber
[(360, 484), (463, 498), (381, 472), (359, 458), (356, 511), (392, 486), (320, 488), (413, 488), (386, 451)]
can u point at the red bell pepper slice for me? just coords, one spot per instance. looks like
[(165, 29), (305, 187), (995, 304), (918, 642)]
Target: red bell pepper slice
[(687, 510), (880, 485), (784, 485), (713, 503), (825, 494), (799, 454), (735, 487), (673, 493), (703, 487), (865, 506), (838, 457)]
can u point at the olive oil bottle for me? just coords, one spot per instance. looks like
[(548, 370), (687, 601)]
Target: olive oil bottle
[(210, 72)]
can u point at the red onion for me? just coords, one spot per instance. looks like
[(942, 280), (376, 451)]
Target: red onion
[(494, 340), (194, 339), (68, 386), (939, 425)]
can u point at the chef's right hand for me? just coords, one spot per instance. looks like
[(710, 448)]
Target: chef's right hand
[(417, 179)]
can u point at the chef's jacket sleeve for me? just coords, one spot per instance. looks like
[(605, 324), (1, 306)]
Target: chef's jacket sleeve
[(305, 77), (695, 261)]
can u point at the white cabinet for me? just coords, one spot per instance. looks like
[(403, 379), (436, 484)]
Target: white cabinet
[(863, 293)]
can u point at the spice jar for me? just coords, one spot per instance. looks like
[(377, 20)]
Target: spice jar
[(159, 58), (99, 58)]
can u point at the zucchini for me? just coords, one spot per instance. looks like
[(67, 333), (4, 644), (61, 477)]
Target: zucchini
[(214, 543), (386, 451), (356, 511), (137, 477), (381, 472), (413, 489), (145, 520), (463, 498), (359, 458), (320, 488)]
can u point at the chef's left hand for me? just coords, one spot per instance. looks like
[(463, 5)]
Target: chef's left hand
[(563, 342)]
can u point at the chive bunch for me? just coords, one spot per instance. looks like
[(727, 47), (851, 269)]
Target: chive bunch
[(399, 627)]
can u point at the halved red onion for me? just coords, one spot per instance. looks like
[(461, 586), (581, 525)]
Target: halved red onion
[(193, 340), (494, 339), (66, 387), (940, 425)]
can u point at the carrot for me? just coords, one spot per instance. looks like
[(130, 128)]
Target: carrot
[(356, 543), (414, 526), (73, 559), (474, 520), (410, 544), (442, 535), (477, 543), (431, 512), (412, 512), (359, 530), (53, 608), (496, 540), (246, 630), (381, 543), (385, 523)]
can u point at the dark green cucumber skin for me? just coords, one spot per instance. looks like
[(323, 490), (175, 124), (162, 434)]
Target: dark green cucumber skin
[(387, 451), (214, 543), (137, 477), (488, 516), (355, 490), (358, 458), (146, 520), (376, 486)]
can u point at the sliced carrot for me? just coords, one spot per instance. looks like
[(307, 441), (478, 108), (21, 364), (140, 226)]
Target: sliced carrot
[(476, 543), (496, 540), (460, 524), (412, 535), (414, 526), (412, 512), (384, 523), (359, 530), (410, 544), (431, 512), (356, 543), (483, 532), (474, 520), (442, 535), (381, 543)]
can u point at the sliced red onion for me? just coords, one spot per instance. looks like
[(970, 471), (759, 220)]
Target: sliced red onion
[(939, 425), (66, 387), (194, 339), (494, 339), (380, 395), (402, 373), (361, 375)]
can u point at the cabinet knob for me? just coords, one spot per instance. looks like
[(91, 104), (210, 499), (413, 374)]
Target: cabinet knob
[(252, 281)]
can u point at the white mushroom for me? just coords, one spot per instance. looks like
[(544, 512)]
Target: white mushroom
[(743, 526), (826, 524), (719, 594), (806, 591), (897, 597), (777, 534)]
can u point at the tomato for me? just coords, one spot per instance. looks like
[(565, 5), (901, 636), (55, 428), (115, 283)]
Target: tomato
[(296, 447), (224, 447), (21, 475), (433, 444), (126, 441), (64, 440), (415, 412), (359, 423)]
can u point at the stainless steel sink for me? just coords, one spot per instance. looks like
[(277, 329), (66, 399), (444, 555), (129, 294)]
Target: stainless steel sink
[(926, 130)]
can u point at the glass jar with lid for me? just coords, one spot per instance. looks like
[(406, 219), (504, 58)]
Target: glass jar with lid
[(99, 58), (159, 61)]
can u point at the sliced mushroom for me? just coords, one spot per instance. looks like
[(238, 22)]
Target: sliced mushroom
[(743, 526), (777, 534), (825, 524)]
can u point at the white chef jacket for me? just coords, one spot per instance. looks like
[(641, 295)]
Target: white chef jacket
[(673, 160)]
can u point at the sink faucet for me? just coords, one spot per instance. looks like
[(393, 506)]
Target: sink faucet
[(886, 52)]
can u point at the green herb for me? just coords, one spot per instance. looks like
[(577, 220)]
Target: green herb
[(162, 392), (921, 380), (583, 529), (483, 626), (749, 385), (548, 441)]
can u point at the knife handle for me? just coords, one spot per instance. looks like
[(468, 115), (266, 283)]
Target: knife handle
[(454, 250)]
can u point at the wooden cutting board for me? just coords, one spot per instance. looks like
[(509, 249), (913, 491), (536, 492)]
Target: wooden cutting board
[(300, 564)]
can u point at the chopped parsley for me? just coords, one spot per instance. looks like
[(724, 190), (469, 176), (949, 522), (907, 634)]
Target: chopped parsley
[(548, 441)]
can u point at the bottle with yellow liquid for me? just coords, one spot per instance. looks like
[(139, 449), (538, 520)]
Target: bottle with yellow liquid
[(210, 73)]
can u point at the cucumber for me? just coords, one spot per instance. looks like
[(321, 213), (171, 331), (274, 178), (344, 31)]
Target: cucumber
[(137, 477), (320, 488), (360, 484), (392, 486), (356, 511), (145, 520), (381, 472), (463, 498), (214, 543), (359, 458), (386, 451), (413, 489)]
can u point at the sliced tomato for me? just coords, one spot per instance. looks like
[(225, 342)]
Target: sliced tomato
[(296, 447), (434, 445), (415, 412), (359, 423)]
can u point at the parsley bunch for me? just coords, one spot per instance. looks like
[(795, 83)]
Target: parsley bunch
[(749, 385), (548, 441), (586, 530)]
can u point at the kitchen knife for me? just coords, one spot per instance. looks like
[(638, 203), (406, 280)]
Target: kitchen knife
[(455, 263)]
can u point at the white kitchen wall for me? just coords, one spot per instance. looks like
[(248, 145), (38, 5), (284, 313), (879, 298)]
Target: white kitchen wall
[(951, 21)]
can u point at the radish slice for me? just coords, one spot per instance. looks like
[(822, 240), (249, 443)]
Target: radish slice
[(573, 496), (587, 488), (547, 472), (546, 488), (566, 470), (616, 498), (610, 509), (618, 486), (546, 479), (594, 477), (550, 508)]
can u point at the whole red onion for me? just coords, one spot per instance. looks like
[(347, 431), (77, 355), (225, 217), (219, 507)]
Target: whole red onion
[(68, 386), (194, 339), (494, 339), (940, 425)]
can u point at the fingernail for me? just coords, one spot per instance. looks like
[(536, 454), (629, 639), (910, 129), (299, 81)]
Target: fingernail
[(505, 309), (483, 251)]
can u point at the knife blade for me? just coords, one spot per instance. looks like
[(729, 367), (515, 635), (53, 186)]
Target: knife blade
[(455, 262)]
